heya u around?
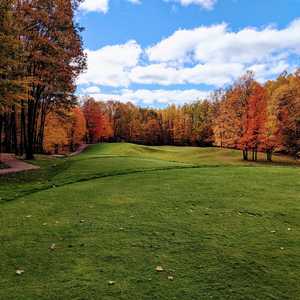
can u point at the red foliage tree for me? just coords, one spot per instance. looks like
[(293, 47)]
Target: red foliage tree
[(254, 122), (97, 122)]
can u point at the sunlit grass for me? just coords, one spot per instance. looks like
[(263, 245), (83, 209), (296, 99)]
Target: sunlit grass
[(219, 228)]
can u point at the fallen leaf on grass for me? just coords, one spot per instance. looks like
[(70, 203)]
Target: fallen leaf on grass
[(171, 278), (111, 282), (159, 269), (53, 247), (20, 272)]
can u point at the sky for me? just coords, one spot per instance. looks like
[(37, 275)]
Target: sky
[(160, 52)]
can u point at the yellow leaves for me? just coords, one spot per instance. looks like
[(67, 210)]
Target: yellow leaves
[(63, 130), (56, 133)]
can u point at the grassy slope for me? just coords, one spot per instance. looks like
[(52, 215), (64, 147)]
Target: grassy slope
[(211, 227)]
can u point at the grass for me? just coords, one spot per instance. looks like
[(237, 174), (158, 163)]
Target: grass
[(222, 228)]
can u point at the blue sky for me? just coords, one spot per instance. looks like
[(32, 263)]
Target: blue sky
[(158, 52)]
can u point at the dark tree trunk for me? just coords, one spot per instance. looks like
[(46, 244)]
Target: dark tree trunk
[(254, 154), (269, 155), (245, 154), (13, 123), (1, 126), (30, 130), (23, 129)]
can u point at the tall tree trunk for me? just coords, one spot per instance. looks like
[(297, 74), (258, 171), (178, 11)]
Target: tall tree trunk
[(14, 130), (269, 155), (245, 154), (7, 133), (1, 126), (23, 129), (30, 130)]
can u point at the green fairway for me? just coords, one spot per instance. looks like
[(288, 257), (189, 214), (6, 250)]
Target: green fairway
[(97, 226)]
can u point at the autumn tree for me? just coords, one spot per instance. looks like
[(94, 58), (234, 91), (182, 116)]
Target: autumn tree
[(97, 121), (168, 116), (200, 122), (12, 84), (56, 133), (288, 97), (53, 59), (77, 130), (254, 122), (152, 131)]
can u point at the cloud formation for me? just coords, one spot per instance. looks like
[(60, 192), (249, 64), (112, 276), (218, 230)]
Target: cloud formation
[(212, 56), (101, 6), (95, 5), (111, 65), (207, 4), (218, 43), (150, 97), (210, 74)]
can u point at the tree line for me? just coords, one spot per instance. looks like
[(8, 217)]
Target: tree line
[(41, 55), (249, 116)]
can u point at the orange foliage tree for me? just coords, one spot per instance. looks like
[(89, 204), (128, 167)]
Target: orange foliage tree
[(77, 130), (56, 133), (64, 131), (254, 122)]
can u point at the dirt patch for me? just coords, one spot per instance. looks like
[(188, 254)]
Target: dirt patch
[(13, 165)]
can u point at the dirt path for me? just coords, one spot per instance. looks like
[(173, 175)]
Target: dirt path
[(14, 164)]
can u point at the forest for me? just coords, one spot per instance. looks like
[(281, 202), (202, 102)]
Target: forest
[(41, 55), (247, 115)]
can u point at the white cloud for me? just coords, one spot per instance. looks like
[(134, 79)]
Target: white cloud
[(110, 65), (156, 74), (152, 97), (135, 1), (91, 90), (213, 56), (207, 4), (263, 72), (220, 45), (95, 5), (101, 6), (181, 45), (209, 74)]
